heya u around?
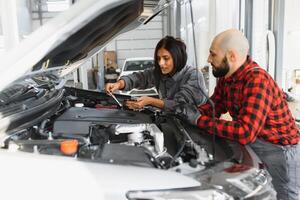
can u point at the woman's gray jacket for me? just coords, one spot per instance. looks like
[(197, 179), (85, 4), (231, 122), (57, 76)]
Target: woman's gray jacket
[(186, 86)]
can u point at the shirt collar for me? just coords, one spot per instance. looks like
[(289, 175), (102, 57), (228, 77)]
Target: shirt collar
[(238, 74), (177, 76)]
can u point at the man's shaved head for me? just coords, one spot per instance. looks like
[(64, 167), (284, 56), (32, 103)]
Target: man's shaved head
[(233, 39), (228, 52)]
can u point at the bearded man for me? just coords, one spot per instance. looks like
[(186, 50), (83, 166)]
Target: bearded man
[(260, 114)]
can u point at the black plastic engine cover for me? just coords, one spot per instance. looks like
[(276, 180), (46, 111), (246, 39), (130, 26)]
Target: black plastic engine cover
[(78, 120), (124, 154)]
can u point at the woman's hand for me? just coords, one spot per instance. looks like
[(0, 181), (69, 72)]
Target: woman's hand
[(111, 87), (140, 102)]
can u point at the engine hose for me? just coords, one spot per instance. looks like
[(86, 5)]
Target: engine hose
[(41, 129), (178, 153)]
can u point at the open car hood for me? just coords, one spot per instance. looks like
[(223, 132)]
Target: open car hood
[(78, 33)]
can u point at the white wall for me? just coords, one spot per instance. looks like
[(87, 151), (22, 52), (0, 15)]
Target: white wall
[(49, 10), (9, 24), (259, 33), (140, 42), (24, 18), (210, 18), (1, 33), (291, 41), (291, 35)]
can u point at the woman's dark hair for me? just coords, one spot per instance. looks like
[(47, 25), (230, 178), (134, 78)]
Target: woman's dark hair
[(176, 48)]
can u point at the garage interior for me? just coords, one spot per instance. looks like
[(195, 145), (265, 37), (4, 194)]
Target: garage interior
[(270, 24), (272, 27)]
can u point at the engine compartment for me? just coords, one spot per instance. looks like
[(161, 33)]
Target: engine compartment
[(112, 135), (108, 135), (91, 126)]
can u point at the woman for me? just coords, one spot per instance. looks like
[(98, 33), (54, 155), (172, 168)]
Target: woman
[(175, 81)]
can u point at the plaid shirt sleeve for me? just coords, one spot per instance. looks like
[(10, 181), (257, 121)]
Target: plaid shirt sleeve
[(257, 98), (216, 98)]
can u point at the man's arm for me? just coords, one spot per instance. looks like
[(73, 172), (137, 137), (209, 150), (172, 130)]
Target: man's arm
[(251, 118), (206, 109)]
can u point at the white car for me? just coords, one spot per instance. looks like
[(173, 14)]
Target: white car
[(60, 142), (138, 64)]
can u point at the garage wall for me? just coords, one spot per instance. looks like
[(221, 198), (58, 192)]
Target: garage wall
[(1, 44), (210, 18), (46, 11), (1, 36), (291, 35), (140, 42), (260, 25), (291, 48)]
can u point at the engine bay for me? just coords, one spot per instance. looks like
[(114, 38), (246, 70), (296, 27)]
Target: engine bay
[(91, 126), (107, 135)]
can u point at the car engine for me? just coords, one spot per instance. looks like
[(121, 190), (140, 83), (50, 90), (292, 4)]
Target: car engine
[(111, 135), (108, 135), (45, 118)]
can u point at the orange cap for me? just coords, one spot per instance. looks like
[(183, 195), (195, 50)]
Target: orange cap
[(69, 147)]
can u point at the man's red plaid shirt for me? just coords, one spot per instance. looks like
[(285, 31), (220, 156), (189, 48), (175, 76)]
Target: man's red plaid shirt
[(257, 106)]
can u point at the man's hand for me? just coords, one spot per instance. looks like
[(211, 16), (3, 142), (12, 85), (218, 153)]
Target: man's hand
[(188, 113), (111, 87)]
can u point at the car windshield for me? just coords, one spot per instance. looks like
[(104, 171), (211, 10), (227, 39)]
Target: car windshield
[(138, 65)]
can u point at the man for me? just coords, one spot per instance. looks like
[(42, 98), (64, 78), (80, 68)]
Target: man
[(260, 114)]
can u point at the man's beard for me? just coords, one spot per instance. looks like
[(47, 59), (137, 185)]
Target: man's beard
[(222, 70)]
